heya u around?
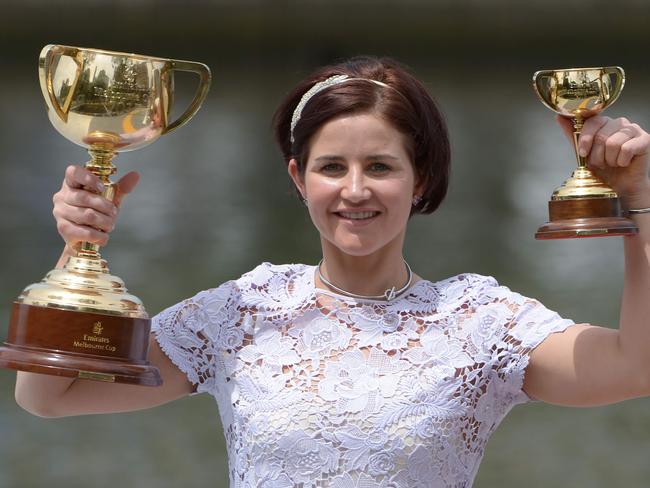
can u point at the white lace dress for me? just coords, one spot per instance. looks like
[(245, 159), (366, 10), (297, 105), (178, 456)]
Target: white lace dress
[(318, 389)]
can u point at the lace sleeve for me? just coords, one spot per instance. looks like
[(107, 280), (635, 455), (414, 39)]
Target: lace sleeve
[(193, 333), (525, 327)]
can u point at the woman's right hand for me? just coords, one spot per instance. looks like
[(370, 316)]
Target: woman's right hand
[(81, 212)]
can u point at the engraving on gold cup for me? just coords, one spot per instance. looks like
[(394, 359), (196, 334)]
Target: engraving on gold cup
[(585, 205), (80, 321)]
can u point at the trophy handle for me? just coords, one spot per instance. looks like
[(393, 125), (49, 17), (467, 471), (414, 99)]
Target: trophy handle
[(618, 75), (45, 72), (204, 85), (545, 89)]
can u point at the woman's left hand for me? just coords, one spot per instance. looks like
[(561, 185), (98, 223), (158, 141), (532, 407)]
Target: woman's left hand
[(617, 151)]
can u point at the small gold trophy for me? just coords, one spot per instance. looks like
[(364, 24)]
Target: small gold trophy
[(80, 321), (584, 206)]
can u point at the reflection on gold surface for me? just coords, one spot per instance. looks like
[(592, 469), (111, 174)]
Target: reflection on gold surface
[(129, 96), (91, 375), (84, 284), (579, 93)]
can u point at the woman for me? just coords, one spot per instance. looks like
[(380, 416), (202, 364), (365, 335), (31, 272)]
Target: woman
[(358, 372)]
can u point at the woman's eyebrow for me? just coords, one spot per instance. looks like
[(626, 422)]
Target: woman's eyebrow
[(381, 156), (328, 158)]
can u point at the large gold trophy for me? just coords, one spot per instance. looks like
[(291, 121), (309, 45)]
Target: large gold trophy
[(80, 321), (585, 205)]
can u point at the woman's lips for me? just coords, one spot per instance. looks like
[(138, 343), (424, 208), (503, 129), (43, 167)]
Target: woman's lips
[(360, 219)]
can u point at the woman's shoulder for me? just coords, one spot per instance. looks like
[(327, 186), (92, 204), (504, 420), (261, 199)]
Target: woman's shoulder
[(461, 286), (462, 292), (273, 286), (263, 274), (469, 280), (266, 272)]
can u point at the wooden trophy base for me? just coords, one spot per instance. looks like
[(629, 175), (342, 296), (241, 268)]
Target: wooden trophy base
[(585, 217), (79, 344)]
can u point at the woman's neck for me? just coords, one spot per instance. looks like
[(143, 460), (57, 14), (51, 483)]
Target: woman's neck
[(369, 275)]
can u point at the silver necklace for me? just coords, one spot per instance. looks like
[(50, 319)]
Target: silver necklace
[(389, 294)]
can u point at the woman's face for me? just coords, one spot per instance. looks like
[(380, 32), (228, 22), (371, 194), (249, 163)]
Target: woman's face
[(359, 182)]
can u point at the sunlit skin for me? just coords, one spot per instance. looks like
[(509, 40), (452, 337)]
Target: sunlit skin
[(359, 163)]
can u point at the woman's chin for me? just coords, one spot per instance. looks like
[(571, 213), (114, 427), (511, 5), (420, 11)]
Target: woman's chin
[(356, 248)]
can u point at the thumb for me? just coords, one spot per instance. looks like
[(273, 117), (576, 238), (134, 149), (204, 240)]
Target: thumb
[(566, 125), (125, 185)]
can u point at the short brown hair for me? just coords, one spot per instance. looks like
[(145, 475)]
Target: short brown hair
[(408, 107)]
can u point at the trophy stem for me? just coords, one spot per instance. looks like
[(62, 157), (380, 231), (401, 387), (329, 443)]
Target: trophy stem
[(578, 122), (101, 165)]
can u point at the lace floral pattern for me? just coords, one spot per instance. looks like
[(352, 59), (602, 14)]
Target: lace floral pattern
[(317, 389)]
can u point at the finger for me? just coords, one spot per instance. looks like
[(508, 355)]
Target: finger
[(637, 146), (599, 138), (79, 177), (125, 185), (73, 233), (86, 199), (85, 216), (590, 127), (613, 145)]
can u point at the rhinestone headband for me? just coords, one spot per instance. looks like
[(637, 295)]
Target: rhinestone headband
[(318, 87)]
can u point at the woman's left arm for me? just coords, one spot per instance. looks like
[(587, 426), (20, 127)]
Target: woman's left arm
[(589, 365)]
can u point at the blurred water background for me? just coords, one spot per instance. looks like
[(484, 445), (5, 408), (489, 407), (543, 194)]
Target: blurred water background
[(214, 201)]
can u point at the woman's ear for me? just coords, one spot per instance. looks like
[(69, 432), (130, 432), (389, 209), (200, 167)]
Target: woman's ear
[(294, 172), (418, 188)]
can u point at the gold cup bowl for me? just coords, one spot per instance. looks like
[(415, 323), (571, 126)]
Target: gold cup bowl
[(584, 205), (80, 321)]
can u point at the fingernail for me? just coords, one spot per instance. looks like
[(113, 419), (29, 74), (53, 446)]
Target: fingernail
[(100, 187), (582, 151)]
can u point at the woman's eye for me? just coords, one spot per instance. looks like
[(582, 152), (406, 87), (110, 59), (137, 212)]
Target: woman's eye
[(332, 167), (379, 167)]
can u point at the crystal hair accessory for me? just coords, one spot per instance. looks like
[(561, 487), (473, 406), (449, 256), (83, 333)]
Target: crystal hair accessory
[(320, 86)]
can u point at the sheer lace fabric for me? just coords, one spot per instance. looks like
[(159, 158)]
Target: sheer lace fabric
[(317, 389)]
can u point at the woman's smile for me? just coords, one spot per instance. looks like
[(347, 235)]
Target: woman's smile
[(357, 219)]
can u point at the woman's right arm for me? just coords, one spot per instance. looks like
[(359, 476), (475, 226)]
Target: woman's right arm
[(82, 215), (54, 396)]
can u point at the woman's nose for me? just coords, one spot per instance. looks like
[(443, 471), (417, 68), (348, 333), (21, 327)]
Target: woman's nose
[(355, 187)]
